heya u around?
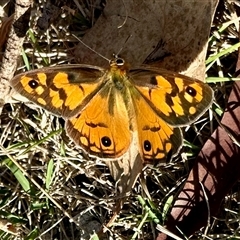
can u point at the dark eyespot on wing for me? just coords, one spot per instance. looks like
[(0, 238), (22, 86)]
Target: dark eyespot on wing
[(147, 146), (33, 84), (191, 91), (106, 141)]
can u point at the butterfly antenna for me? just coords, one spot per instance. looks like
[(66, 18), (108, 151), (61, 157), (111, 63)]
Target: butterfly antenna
[(117, 54), (84, 44)]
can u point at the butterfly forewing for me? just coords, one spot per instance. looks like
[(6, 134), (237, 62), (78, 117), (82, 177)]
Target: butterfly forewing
[(63, 90), (177, 99)]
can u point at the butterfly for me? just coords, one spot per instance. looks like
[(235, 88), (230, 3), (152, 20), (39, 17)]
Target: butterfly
[(103, 108)]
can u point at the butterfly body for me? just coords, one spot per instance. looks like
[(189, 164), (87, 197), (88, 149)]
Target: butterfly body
[(104, 108)]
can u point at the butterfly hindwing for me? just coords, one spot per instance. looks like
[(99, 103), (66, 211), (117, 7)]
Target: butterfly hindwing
[(102, 128), (157, 139)]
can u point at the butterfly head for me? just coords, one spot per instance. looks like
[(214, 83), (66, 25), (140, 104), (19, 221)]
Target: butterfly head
[(119, 65)]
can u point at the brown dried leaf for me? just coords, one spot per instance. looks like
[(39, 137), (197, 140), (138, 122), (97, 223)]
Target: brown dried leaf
[(5, 26), (126, 170), (174, 31), (8, 227), (14, 43)]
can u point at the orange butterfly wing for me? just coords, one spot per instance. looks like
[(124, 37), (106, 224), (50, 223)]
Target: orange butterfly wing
[(157, 140), (177, 99), (63, 90), (102, 128), (163, 101)]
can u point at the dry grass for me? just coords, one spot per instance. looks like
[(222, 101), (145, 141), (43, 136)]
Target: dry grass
[(47, 186)]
